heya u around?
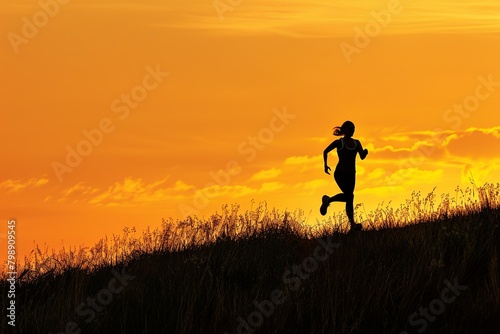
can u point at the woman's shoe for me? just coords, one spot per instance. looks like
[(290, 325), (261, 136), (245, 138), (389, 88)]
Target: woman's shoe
[(325, 201)]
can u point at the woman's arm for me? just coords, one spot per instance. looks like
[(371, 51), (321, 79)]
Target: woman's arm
[(362, 153), (327, 150)]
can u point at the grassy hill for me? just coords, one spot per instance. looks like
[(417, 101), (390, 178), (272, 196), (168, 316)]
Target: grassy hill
[(420, 268)]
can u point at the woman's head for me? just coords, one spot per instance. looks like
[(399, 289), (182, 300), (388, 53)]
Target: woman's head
[(347, 129)]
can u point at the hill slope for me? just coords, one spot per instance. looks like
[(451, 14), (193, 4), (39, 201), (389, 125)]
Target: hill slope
[(439, 277)]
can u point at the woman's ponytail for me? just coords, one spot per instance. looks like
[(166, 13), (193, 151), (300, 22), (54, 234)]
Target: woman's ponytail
[(338, 131), (346, 128)]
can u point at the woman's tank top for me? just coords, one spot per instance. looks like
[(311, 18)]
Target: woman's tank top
[(347, 156)]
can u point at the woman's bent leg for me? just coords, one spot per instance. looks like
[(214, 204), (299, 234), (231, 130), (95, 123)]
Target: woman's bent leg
[(338, 198), (346, 182)]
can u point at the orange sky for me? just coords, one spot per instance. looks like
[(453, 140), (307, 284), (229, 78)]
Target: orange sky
[(179, 90)]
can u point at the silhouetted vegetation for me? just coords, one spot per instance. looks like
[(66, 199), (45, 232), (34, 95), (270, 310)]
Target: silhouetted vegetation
[(267, 271)]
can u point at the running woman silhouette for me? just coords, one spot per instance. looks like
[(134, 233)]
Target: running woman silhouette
[(345, 172)]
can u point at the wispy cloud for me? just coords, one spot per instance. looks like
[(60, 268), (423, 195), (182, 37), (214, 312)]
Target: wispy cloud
[(322, 18), (11, 185), (128, 191), (304, 18), (79, 189), (137, 191), (312, 185), (266, 174)]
